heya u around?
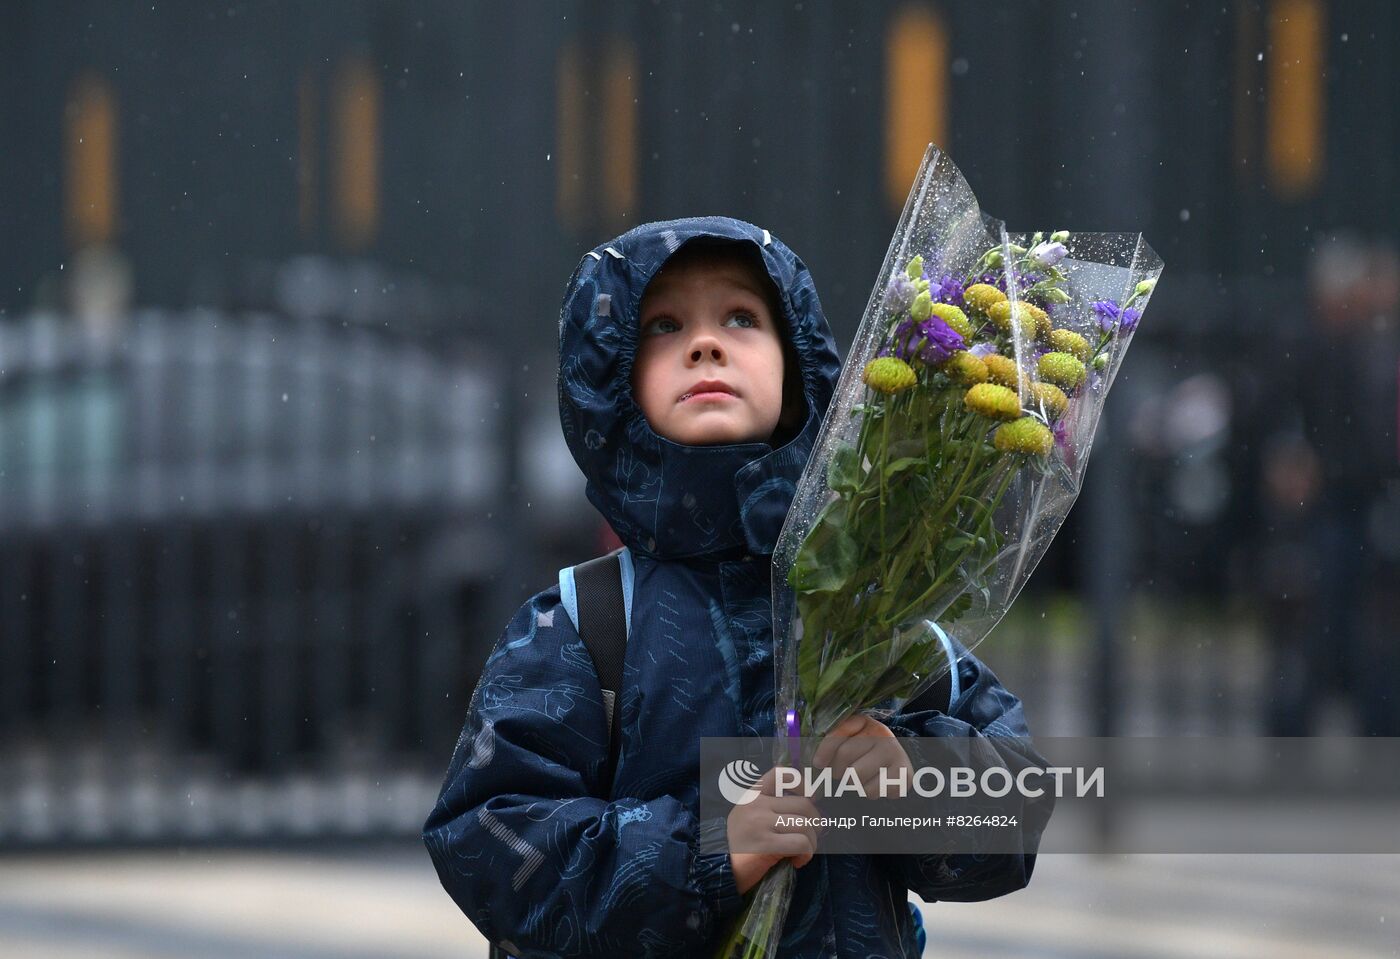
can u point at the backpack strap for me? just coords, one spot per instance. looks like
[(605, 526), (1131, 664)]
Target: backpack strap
[(945, 690), (598, 598)]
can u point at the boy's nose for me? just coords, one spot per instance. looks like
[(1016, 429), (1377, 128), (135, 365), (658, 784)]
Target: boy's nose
[(713, 352), (706, 344)]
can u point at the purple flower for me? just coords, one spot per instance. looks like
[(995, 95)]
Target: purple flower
[(1061, 431), (998, 280), (982, 350), (1047, 254), (1106, 312), (932, 341), (1111, 317), (947, 290), (900, 292)]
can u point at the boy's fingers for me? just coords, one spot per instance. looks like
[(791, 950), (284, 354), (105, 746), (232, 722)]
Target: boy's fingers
[(849, 727), (829, 744), (838, 752), (793, 804), (871, 768), (768, 784), (851, 750)]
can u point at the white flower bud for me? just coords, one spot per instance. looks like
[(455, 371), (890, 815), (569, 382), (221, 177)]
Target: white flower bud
[(1046, 255)]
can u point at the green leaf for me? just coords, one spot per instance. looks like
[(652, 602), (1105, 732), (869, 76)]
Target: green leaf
[(902, 464), (844, 473), (832, 675), (899, 449), (853, 675), (955, 611), (828, 555)]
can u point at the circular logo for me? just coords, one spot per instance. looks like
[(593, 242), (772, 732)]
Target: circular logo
[(737, 781)]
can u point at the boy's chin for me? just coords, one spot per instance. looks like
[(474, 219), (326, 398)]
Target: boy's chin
[(719, 435)]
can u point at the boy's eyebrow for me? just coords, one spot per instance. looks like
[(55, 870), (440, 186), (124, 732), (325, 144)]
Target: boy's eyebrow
[(750, 287), (657, 290)]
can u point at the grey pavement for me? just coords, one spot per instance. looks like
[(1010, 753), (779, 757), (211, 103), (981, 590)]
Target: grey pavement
[(386, 902)]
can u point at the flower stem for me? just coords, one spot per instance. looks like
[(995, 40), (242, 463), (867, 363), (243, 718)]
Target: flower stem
[(884, 457), (987, 513)]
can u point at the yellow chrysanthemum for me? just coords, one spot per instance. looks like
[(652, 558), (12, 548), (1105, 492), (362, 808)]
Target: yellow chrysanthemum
[(889, 374), (1063, 370), (1042, 320), (980, 297), (955, 318), (1049, 397), (1026, 435), (1068, 341), (965, 369), (1001, 312), (1002, 369), (993, 401)]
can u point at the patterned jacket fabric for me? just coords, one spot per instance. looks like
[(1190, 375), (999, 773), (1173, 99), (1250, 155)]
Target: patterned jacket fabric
[(524, 837)]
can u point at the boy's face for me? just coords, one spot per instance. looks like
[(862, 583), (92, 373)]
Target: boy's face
[(709, 366)]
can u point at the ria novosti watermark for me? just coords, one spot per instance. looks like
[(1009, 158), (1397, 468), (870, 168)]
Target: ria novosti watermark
[(987, 794), (738, 782)]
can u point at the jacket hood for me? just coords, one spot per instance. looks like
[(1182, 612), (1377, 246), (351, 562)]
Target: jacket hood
[(662, 498)]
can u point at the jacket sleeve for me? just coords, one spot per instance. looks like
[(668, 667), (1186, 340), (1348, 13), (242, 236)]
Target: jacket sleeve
[(983, 708), (523, 843)]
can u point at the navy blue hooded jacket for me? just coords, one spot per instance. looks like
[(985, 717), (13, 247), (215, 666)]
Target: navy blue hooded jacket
[(523, 836)]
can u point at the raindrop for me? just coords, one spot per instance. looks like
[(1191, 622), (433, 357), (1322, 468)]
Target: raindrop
[(1185, 214), (1260, 56)]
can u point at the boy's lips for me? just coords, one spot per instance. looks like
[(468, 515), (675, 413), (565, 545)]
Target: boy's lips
[(708, 390)]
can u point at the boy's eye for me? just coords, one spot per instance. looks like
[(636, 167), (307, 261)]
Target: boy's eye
[(655, 326), (751, 320)]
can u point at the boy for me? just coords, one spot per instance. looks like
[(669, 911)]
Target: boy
[(695, 368)]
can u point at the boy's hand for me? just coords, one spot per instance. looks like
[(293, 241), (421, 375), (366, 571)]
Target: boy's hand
[(865, 744), (754, 826)]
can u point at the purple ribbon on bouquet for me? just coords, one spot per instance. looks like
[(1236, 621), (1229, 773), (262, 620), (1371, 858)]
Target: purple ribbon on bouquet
[(794, 731)]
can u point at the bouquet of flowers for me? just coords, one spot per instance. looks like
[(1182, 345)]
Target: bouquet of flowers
[(952, 452)]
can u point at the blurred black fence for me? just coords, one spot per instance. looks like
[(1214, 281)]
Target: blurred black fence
[(232, 546)]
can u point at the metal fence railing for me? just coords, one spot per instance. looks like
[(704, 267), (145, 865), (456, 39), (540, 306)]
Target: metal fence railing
[(236, 551)]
